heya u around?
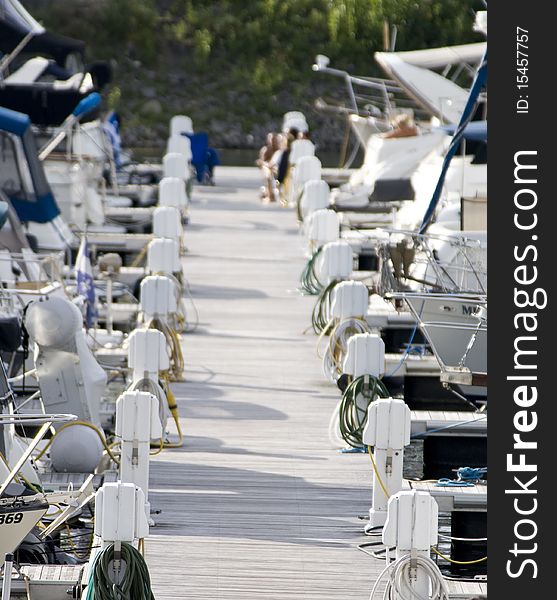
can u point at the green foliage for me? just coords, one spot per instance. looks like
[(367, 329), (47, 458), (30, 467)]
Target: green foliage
[(286, 34), (254, 49)]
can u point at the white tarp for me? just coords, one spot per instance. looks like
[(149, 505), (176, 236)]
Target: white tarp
[(17, 17), (438, 95), (435, 58)]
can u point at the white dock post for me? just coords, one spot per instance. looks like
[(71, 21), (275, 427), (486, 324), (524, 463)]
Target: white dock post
[(147, 354), (137, 423), (120, 513), (172, 192), (336, 261), (157, 297), (322, 226), (315, 196), (163, 257), (388, 431), (365, 355), (411, 527), (167, 223), (350, 299)]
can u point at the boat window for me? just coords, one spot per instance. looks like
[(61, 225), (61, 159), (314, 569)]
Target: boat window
[(15, 177)]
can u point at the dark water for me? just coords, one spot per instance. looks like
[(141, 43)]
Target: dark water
[(233, 157), (238, 157)]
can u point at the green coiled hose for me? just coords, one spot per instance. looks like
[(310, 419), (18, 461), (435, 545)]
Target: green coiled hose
[(320, 315), (353, 414), (135, 584), (309, 282)]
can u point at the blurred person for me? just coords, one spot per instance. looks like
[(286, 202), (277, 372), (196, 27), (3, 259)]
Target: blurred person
[(283, 170), (268, 161), (271, 146), (403, 126)]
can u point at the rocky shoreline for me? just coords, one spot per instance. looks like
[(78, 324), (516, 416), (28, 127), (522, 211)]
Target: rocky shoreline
[(233, 118)]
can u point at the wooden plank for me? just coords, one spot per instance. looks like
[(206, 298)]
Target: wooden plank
[(466, 589)]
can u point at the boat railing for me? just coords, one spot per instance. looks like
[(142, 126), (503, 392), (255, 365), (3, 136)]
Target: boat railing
[(30, 272), (432, 262), (470, 320)]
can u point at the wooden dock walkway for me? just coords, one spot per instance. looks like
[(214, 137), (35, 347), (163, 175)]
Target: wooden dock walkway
[(256, 504)]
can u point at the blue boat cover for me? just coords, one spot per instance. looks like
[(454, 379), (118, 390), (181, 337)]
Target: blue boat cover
[(475, 131), (203, 157), (37, 205), (14, 122)]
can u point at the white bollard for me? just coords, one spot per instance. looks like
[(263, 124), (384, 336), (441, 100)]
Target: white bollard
[(180, 124), (163, 256), (172, 192), (299, 149), (365, 355), (307, 169), (175, 164), (120, 514), (350, 299), (137, 423), (157, 297), (295, 120), (147, 354), (315, 196), (411, 527), (388, 431), (179, 144), (336, 261), (167, 223), (322, 226)]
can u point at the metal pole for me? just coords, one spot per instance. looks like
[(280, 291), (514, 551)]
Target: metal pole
[(5, 62), (109, 316), (7, 581)]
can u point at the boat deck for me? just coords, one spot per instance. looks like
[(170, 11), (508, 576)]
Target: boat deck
[(257, 504)]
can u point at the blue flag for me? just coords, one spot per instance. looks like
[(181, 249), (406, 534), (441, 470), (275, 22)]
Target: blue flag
[(111, 127), (84, 279)]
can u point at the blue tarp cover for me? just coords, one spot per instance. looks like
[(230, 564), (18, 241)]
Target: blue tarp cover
[(475, 131), (13, 122)]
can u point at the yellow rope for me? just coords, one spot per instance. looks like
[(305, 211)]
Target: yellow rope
[(459, 562), (80, 555), (160, 448), (177, 358), (173, 408), (377, 472), (137, 260)]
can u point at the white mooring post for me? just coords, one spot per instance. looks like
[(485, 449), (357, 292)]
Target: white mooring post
[(411, 527), (350, 299), (163, 257), (147, 354), (365, 355), (322, 226), (137, 423), (120, 514), (388, 432), (157, 297), (336, 261), (167, 223)]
